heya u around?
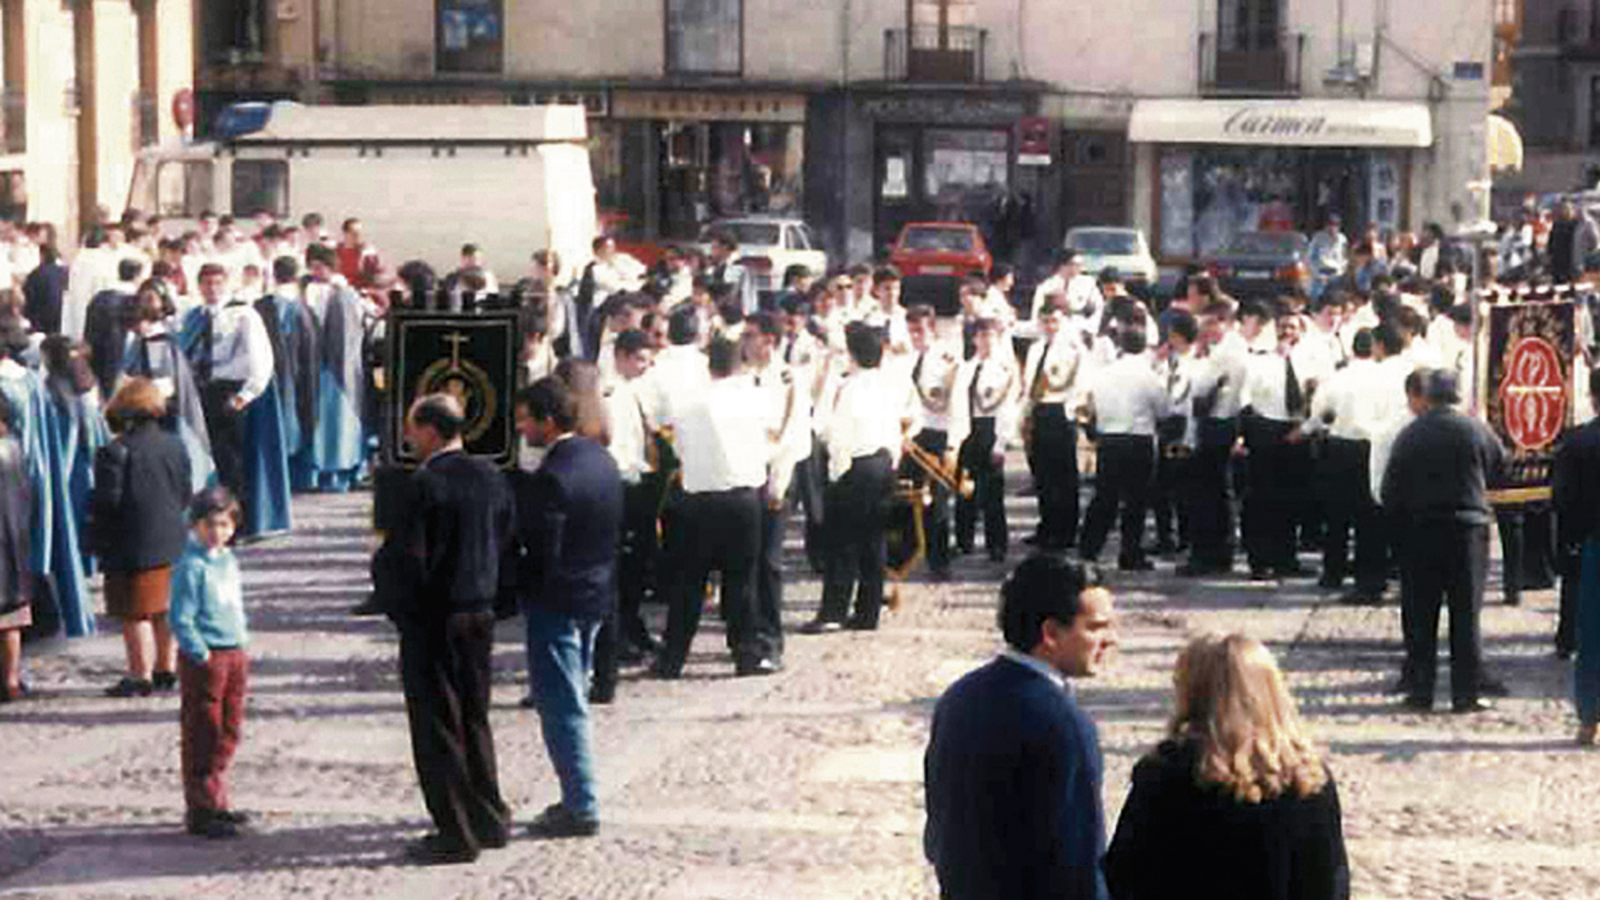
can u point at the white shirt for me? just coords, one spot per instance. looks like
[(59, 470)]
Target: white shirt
[(630, 424), (1343, 404), (679, 374), (1222, 373), (92, 271), (723, 436), (242, 350), (1060, 358), (1266, 385), (1036, 664), (994, 391), (940, 406), (865, 418), (788, 403), (1127, 397)]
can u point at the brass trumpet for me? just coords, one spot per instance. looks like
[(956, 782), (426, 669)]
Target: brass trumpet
[(957, 482)]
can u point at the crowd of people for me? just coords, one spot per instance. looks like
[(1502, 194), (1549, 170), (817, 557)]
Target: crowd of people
[(673, 419)]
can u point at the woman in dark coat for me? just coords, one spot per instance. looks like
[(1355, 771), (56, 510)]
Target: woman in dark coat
[(16, 569), (141, 492), (1235, 803)]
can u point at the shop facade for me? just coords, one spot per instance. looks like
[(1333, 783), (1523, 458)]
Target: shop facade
[(1208, 170)]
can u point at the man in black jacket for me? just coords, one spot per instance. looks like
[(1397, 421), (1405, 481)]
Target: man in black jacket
[(439, 576), (1436, 486), (1013, 769), (570, 525), (1577, 502)]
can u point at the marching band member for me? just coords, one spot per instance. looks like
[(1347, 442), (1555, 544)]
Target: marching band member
[(944, 419), (1215, 391), (1125, 401), (993, 389), (1176, 434), (1049, 434), (863, 430), (788, 404), (632, 429), (1273, 403)]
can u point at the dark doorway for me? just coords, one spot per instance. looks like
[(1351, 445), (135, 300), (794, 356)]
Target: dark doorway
[(1094, 188)]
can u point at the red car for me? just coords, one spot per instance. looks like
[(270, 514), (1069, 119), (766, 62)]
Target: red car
[(933, 259)]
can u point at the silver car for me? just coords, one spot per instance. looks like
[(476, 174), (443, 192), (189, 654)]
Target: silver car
[(1123, 249)]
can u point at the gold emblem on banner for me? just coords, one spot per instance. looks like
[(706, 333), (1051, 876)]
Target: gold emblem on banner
[(467, 382)]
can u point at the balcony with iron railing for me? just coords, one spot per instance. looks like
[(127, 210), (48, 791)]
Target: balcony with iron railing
[(1251, 63), (950, 54)]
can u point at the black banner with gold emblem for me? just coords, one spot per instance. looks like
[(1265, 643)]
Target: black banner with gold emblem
[(474, 357), (1528, 391)]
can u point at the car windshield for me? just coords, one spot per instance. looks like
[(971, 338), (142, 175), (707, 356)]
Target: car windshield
[(1105, 243), (764, 234), (942, 240), (1259, 243)]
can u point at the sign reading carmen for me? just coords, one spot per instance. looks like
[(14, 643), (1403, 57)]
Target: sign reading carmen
[(1276, 123)]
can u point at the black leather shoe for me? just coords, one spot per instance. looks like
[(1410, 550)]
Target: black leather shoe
[(1135, 565), (1492, 687), (1330, 584), (766, 665), (209, 825), (1262, 575), (665, 672), (1360, 598), (231, 815), (1402, 685), (599, 697), (367, 607), (821, 626), (130, 687), (1417, 703), (1474, 705), (434, 850), (1193, 569), (164, 681), (557, 822)]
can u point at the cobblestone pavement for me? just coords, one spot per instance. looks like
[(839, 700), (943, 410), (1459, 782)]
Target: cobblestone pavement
[(806, 785)]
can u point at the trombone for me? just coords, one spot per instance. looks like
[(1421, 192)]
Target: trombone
[(957, 482)]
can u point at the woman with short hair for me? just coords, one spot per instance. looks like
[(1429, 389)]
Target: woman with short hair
[(141, 492), (1236, 802)]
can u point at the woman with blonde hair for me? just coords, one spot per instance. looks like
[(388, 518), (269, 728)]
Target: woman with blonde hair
[(1235, 802)]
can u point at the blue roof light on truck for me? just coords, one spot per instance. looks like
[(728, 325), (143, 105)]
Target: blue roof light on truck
[(239, 119)]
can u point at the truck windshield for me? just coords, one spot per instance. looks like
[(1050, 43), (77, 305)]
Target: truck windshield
[(183, 188), (260, 186)]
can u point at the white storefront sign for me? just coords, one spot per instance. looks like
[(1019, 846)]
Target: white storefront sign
[(1289, 123)]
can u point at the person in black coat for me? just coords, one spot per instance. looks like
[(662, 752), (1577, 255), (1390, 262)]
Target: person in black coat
[(106, 324), (570, 527), (138, 525), (1235, 803), (438, 577), (1576, 491), (1013, 768), (42, 292)]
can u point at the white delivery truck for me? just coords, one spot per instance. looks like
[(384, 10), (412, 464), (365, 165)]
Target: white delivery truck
[(423, 179)]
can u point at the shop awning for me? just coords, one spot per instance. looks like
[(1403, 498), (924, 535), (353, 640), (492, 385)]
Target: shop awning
[(1505, 145), (1284, 123)]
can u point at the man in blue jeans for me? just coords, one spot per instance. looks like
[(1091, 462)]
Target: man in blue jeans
[(570, 522)]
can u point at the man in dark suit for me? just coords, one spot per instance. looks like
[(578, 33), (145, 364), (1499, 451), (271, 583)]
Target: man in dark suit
[(570, 527), (1013, 768), (1577, 500), (438, 577), (1436, 487)]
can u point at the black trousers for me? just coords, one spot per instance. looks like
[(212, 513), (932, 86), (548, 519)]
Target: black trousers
[(1272, 495), (445, 672), (1124, 468), (1527, 550), (1209, 496), (766, 624), (1344, 487), (1443, 563), (1173, 469), (936, 520), (225, 430), (857, 553), (810, 483), (1054, 455), (635, 580), (988, 492), (721, 531)]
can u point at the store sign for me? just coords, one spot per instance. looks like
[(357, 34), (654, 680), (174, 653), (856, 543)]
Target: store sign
[(1294, 123), (709, 107), (1033, 141)]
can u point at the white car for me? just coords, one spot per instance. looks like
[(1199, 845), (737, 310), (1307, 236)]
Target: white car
[(1123, 249), (768, 246)]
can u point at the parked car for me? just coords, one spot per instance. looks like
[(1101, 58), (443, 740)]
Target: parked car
[(934, 257), (1123, 249), (769, 245), (1263, 264)]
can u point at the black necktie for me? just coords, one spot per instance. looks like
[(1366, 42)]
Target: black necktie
[(916, 370), (208, 346), (788, 350), (972, 389), (1293, 399)]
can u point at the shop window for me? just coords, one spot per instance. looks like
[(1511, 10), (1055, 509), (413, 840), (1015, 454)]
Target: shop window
[(470, 36), (705, 37), (261, 186), (14, 195), (965, 173), (1594, 112)]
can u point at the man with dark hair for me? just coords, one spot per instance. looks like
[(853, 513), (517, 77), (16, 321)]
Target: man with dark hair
[(1347, 411), (1215, 388), (725, 271), (105, 325), (438, 577), (298, 363), (338, 449), (788, 403), (944, 418), (723, 440), (1013, 768), (993, 390), (570, 523), (1125, 401), (1049, 433), (1436, 484), (1273, 405), (863, 431)]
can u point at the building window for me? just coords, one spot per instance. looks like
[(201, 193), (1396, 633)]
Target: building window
[(234, 31), (1505, 12), (1567, 25), (705, 37), (470, 36)]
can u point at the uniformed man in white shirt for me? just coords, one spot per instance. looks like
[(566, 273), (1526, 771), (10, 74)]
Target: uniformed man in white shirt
[(723, 434), (1049, 433), (1176, 434), (627, 396), (1215, 391), (789, 407), (943, 419), (1125, 401), (1273, 404), (994, 392), (1084, 302), (864, 428), (1343, 412)]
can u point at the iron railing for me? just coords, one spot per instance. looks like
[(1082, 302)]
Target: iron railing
[(1251, 62), (14, 119), (951, 54)]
